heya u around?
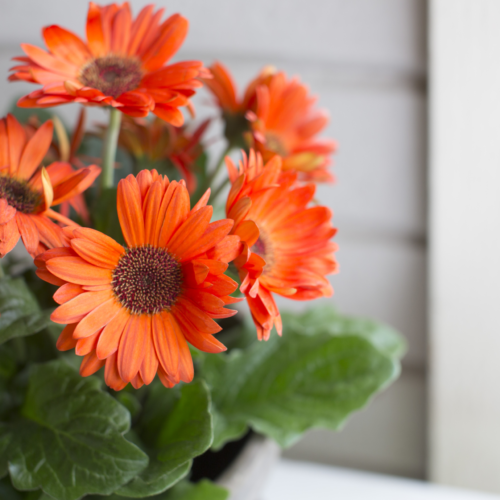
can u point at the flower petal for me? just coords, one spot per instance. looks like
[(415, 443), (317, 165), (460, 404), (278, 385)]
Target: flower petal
[(151, 209), (99, 238), (186, 368), (169, 114), (174, 31), (130, 211), (51, 234), (49, 62), (111, 375), (149, 365), (76, 270), (87, 344), (90, 364), (94, 253), (111, 335), (132, 346), (9, 236), (35, 150), (98, 318), (175, 215), (17, 141), (165, 343), (191, 231), (202, 321), (214, 233), (66, 45), (7, 212), (95, 34), (65, 342), (29, 233), (77, 308), (67, 292)]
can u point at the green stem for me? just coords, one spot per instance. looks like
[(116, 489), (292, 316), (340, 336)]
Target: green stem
[(2, 272), (109, 153), (218, 191), (213, 175)]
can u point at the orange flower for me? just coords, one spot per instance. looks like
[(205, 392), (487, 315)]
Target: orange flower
[(122, 64), (280, 116), (155, 141), (285, 124), (233, 109), (224, 89), (27, 192), (285, 244), (133, 309), (64, 149)]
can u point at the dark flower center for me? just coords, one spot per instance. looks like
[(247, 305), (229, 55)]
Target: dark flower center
[(147, 280), (19, 194), (259, 248), (112, 75), (263, 248)]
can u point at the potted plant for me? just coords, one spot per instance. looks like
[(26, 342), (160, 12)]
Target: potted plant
[(113, 377)]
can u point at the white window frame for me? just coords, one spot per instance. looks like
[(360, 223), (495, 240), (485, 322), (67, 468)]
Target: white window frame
[(464, 236)]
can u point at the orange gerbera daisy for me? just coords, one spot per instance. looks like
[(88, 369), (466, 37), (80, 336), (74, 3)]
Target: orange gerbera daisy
[(65, 150), (285, 244), (133, 309), (163, 146), (285, 123), (27, 192), (122, 64), (224, 89)]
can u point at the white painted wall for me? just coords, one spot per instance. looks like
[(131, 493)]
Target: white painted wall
[(366, 61)]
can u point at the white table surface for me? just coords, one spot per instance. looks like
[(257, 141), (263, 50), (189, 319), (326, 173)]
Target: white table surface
[(291, 480)]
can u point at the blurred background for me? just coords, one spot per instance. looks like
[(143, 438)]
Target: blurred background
[(366, 61)]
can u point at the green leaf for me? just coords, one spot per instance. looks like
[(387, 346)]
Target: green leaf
[(20, 314), (285, 386), (69, 440), (326, 319), (105, 214), (174, 430), (5, 439), (203, 490)]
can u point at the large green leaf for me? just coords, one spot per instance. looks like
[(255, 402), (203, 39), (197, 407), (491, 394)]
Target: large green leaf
[(326, 319), (288, 385), (20, 314), (69, 440), (175, 428), (204, 490)]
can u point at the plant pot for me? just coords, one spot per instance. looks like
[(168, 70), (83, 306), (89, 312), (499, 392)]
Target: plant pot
[(246, 477)]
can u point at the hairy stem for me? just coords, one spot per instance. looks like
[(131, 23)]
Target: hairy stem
[(109, 152)]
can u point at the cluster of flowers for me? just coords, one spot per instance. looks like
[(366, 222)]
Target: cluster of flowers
[(133, 309)]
